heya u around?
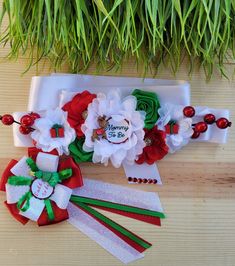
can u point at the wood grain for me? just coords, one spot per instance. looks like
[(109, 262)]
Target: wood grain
[(198, 192)]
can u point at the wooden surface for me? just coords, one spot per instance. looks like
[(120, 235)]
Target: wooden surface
[(198, 194)]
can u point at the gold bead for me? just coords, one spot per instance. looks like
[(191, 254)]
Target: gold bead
[(84, 114), (148, 141), (31, 173)]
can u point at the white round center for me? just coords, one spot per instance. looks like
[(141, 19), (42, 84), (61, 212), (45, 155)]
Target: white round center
[(117, 131), (41, 189)]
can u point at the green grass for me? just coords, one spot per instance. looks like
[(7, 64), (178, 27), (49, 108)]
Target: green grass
[(108, 32)]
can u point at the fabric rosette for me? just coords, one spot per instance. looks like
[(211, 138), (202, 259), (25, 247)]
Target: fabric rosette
[(77, 152), (77, 110), (148, 102), (174, 114), (113, 129), (52, 131), (40, 191), (156, 147)]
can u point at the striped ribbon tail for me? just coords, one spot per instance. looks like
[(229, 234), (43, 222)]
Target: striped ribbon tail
[(84, 214), (86, 204), (130, 238), (144, 215)]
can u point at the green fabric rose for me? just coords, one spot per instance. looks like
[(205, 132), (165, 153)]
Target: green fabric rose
[(77, 152), (147, 101)]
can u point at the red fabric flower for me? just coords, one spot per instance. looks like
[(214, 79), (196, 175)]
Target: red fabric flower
[(76, 108), (155, 148)]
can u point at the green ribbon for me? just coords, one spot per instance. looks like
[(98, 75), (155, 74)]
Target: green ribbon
[(19, 181), (65, 174), (84, 202), (114, 225), (52, 178), (24, 202), (49, 209), (112, 205), (32, 165)]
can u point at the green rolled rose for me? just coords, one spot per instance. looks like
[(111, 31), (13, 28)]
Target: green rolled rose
[(77, 152), (148, 102)]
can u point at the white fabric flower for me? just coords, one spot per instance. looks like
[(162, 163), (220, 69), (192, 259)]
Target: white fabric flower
[(119, 146), (42, 136), (170, 112)]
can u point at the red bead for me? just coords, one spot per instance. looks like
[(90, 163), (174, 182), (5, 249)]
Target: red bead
[(209, 119), (134, 179), (25, 130), (201, 127), (7, 119), (223, 123), (150, 181), (195, 135), (26, 121), (155, 181), (129, 178), (34, 115), (189, 111), (140, 180), (145, 180)]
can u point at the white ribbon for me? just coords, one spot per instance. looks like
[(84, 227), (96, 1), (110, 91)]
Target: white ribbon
[(52, 91), (48, 92), (45, 90), (99, 233)]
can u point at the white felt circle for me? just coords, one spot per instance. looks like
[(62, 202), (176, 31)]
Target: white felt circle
[(117, 131), (41, 189)]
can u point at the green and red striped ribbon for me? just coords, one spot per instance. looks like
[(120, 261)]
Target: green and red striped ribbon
[(129, 237)]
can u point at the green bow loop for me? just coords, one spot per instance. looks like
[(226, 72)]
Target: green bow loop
[(19, 181), (24, 202), (52, 178), (32, 165), (49, 209), (65, 174)]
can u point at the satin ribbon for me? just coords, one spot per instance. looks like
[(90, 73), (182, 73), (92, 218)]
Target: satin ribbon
[(85, 203), (116, 206), (52, 178)]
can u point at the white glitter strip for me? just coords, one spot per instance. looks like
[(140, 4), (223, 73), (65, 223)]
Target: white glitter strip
[(101, 235), (119, 194)]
